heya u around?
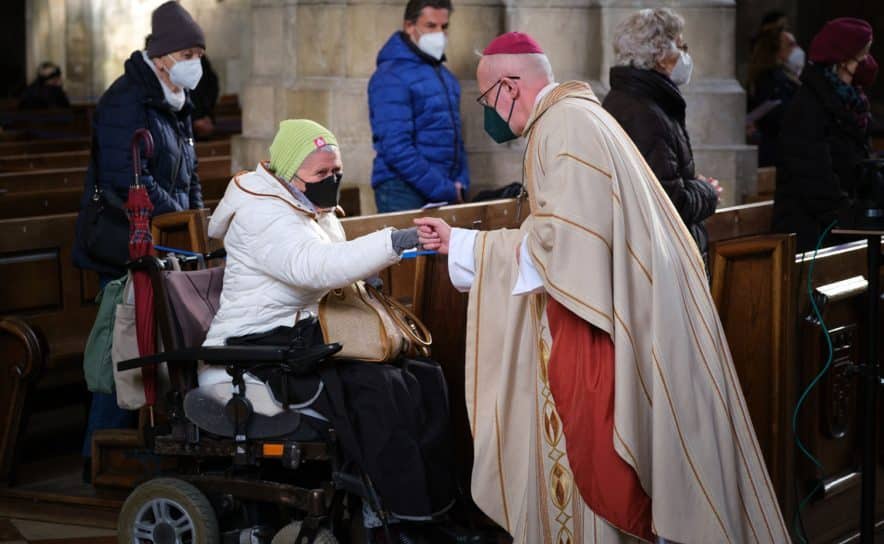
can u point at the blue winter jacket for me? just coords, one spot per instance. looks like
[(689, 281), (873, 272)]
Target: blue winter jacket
[(135, 100), (414, 104)]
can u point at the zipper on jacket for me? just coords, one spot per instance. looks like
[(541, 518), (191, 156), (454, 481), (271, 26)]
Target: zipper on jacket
[(454, 169)]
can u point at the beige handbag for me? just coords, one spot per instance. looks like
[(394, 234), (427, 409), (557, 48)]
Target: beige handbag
[(371, 326), (129, 384)]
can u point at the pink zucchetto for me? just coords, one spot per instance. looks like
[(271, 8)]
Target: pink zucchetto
[(513, 43)]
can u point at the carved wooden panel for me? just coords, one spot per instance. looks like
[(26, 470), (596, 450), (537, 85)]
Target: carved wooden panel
[(740, 221), (66, 199), (444, 310), (22, 362), (31, 281), (752, 286), (829, 421), (21, 156), (61, 311), (185, 230)]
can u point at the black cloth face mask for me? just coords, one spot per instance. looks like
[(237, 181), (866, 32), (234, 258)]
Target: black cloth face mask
[(326, 192)]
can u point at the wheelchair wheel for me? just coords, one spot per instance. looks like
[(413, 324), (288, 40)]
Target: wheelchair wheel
[(167, 511), (287, 535)]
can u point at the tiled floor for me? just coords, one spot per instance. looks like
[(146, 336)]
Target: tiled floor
[(19, 531)]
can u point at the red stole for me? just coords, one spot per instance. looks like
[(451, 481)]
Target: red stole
[(581, 378)]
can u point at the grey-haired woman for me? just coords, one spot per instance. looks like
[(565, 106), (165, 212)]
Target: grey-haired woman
[(652, 62)]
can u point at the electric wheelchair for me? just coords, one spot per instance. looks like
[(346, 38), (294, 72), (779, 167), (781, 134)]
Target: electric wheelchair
[(241, 477)]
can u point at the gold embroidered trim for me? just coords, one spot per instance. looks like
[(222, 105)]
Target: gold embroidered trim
[(480, 277), (632, 460), (578, 226), (733, 427), (684, 446), (635, 357), (587, 164), (545, 275), (640, 264), (500, 474), (537, 302)]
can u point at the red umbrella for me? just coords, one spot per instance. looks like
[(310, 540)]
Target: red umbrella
[(139, 208)]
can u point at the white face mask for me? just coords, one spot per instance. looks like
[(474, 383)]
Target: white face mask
[(681, 74), (795, 62), (186, 73), (433, 44)]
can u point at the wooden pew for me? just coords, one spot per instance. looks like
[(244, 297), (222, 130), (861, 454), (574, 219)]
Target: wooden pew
[(766, 185), (757, 284), (830, 421), (59, 178), (73, 122), (40, 285), (67, 200), (31, 147), (760, 288), (80, 158), (47, 309)]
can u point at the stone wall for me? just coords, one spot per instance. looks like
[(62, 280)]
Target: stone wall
[(326, 53), (311, 58), (91, 39)]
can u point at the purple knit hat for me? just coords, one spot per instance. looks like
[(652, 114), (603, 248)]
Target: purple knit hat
[(173, 29)]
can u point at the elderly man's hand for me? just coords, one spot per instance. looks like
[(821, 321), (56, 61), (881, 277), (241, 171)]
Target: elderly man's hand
[(434, 234)]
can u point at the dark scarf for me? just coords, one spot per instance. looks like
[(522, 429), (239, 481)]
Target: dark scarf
[(853, 98)]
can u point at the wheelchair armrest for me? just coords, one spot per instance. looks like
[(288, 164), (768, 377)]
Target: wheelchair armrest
[(146, 263), (237, 356)]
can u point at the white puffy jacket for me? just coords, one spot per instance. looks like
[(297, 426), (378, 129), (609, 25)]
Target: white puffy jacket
[(281, 259)]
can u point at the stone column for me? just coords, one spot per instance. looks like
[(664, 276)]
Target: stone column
[(45, 41)]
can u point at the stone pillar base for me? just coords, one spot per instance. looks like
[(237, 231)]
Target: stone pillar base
[(735, 166)]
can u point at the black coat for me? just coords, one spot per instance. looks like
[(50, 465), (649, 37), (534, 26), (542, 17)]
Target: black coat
[(774, 84), (820, 147), (205, 96), (651, 110), (135, 100), (41, 96)]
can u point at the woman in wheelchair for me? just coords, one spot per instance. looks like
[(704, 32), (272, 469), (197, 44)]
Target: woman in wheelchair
[(286, 249)]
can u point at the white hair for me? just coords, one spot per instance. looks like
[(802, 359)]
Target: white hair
[(647, 37), (542, 65), (327, 148)]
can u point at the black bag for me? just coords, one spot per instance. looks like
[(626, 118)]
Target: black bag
[(513, 190), (104, 224), (286, 382), (305, 334)]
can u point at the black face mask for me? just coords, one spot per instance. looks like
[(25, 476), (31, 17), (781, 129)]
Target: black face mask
[(326, 192)]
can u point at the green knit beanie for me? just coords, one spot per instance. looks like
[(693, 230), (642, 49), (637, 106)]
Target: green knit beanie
[(296, 139)]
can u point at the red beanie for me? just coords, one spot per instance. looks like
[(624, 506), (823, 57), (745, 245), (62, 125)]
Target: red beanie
[(513, 43), (840, 40)]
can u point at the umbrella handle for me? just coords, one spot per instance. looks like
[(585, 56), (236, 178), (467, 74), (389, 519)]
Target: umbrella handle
[(140, 135)]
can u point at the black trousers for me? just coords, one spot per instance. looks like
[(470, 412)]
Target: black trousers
[(392, 421)]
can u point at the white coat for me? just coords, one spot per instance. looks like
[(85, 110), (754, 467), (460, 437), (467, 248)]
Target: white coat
[(281, 259)]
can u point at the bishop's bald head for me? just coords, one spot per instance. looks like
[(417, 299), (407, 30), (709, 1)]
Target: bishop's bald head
[(511, 74)]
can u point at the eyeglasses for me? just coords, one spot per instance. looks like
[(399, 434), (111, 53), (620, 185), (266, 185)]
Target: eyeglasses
[(481, 100), (683, 47)]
